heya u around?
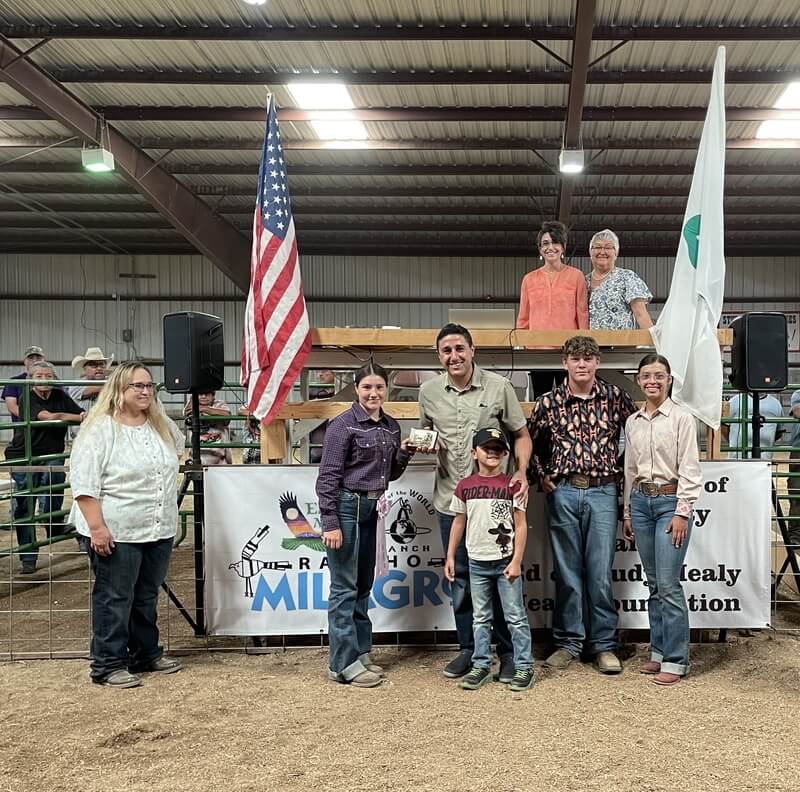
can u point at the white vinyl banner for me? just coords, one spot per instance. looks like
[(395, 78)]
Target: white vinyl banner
[(266, 568)]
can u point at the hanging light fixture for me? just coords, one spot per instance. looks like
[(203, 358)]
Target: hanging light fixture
[(99, 159), (570, 160)]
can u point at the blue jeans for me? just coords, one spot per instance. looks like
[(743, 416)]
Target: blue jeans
[(125, 606), (25, 507), (352, 572), (487, 582), (462, 598), (667, 609), (583, 532)]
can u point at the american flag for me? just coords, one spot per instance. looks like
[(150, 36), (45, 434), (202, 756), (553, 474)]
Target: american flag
[(277, 338)]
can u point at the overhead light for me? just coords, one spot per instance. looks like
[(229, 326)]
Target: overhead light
[(321, 96), (255, 2), (570, 160), (329, 105), (783, 129), (341, 126), (97, 160)]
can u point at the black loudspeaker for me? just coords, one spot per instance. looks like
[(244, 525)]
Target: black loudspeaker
[(759, 355), (194, 353)]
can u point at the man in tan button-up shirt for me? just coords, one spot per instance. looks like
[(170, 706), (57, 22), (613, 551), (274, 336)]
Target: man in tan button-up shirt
[(456, 404)]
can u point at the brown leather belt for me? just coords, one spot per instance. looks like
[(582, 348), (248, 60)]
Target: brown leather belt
[(652, 489), (370, 494), (582, 481)]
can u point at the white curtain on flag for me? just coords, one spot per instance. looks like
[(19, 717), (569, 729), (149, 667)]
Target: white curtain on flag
[(686, 331)]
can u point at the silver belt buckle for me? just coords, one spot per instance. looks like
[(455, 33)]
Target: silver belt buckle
[(374, 494), (649, 488), (579, 480)]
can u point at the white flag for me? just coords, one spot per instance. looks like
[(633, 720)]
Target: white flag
[(686, 331)]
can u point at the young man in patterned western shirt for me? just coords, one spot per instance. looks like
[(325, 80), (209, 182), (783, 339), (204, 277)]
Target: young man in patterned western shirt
[(575, 430)]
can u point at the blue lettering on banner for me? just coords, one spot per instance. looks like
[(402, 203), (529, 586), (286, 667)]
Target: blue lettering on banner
[(392, 591)]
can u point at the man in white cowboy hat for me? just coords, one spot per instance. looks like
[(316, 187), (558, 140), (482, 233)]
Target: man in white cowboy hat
[(93, 367)]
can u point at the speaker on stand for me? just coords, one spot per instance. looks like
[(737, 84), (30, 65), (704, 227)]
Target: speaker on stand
[(760, 364), (194, 362)]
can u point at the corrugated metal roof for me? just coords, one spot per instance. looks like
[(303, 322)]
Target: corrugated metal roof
[(444, 187)]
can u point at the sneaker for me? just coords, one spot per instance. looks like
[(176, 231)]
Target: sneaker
[(560, 660), (523, 679), (375, 669), (459, 665), (607, 663), (506, 673), (366, 679), (161, 665), (120, 679), (476, 678), (28, 569)]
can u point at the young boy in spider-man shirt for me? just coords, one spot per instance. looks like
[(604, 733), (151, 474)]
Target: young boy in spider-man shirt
[(494, 519)]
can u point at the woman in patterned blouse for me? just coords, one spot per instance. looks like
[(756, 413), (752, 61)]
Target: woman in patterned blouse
[(124, 474), (617, 297)]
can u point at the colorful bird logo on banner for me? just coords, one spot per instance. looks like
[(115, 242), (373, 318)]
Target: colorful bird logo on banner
[(298, 524)]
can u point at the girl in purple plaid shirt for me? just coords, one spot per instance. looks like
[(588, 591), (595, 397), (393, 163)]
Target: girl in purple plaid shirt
[(362, 453)]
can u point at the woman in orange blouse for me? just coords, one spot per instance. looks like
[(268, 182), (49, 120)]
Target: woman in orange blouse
[(553, 297)]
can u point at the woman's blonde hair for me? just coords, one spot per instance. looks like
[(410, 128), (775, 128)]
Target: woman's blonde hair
[(110, 401)]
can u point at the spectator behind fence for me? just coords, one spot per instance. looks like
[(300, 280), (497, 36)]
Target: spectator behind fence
[(617, 297), (93, 366), (47, 403), (794, 467), (11, 393), (769, 407), (251, 434), (212, 431), (662, 482), (124, 472)]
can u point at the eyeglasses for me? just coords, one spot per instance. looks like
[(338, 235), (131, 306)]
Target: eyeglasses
[(603, 248), (141, 387), (653, 377)]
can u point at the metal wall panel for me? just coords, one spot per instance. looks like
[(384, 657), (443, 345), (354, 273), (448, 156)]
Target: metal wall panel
[(342, 291)]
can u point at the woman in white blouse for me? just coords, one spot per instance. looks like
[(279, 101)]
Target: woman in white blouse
[(662, 482), (123, 474)]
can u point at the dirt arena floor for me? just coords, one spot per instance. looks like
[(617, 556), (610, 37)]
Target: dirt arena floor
[(271, 721), (239, 721)]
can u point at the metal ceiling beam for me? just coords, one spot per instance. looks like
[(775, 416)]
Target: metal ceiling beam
[(608, 169), (94, 76), (37, 223), (434, 210), (409, 114), (581, 46), (443, 191), (213, 236), (444, 249), (391, 30), (413, 144)]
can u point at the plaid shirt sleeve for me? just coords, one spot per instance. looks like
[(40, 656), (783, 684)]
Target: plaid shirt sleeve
[(331, 472)]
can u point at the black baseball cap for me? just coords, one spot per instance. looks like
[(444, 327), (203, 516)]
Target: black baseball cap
[(485, 436)]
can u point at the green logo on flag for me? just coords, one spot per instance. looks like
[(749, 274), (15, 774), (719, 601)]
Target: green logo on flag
[(691, 233)]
